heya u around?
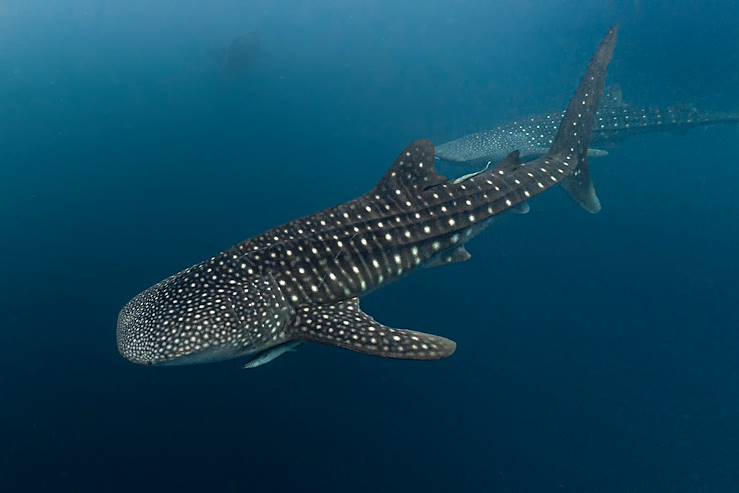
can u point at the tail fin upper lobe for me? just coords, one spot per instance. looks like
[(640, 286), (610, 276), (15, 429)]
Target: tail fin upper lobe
[(576, 128)]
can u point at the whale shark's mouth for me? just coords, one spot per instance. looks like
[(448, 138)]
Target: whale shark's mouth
[(213, 354)]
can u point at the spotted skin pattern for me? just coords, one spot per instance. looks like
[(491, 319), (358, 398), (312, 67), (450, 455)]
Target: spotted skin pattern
[(534, 135), (302, 281)]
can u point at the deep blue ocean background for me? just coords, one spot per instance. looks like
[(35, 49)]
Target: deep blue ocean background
[(595, 353)]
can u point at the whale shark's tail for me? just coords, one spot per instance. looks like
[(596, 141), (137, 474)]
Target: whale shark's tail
[(575, 131), (711, 117)]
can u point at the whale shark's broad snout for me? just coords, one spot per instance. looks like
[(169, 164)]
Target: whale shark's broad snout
[(133, 333), (149, 333), (200, 315)]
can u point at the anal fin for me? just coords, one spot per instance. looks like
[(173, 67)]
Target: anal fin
[(344, 325)]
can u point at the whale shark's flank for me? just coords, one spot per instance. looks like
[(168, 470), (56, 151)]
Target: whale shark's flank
[(301, 282), (615, 121)]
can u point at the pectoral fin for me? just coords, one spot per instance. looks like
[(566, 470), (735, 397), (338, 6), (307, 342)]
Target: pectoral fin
[(344, 325)]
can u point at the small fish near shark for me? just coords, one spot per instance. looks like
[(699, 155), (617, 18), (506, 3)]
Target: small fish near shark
[(615, 121), (301, 282)]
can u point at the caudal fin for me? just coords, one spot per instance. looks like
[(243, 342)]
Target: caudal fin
[(576, 128)]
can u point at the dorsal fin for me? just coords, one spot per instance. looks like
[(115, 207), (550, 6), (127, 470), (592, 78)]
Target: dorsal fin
[(413, 170), (613, 97), (511, 161)]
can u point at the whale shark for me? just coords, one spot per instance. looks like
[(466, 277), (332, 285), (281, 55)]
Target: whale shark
[(615, 121), (301, 282)]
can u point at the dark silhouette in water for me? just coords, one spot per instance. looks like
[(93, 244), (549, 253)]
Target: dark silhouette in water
[(241, 55)]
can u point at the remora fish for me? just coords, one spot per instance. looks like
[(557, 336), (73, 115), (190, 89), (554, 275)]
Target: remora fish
[(301, 281), (615, 121)]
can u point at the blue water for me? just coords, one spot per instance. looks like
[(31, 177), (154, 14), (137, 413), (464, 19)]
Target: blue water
[(595, 353)]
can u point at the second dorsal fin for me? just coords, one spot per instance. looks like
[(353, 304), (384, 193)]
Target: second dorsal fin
[(511, 161), (613, 97), (413, 170)]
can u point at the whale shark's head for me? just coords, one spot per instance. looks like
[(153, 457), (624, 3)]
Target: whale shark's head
[(203, 314)]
